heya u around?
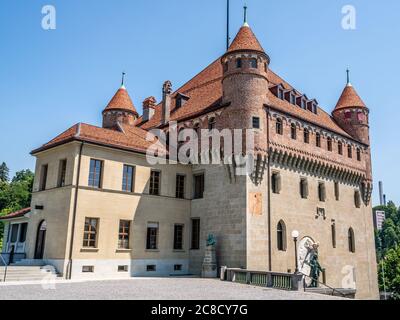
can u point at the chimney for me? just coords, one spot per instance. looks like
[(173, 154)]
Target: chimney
[(381, 196), (149, 105), (166, 102)]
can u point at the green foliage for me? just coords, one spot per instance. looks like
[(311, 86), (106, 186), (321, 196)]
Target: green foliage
[(388, 250), (14, 195), (4, 172)]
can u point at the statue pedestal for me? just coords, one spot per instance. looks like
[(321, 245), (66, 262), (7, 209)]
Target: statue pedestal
[(209, 269)]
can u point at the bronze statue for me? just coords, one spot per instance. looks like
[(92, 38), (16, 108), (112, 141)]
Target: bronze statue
[(210, 240)]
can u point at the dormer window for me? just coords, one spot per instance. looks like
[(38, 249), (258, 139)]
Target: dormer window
[(292, 98), (314, 107), (253, 63), (280, 93), (303, 103), (181, 99), (238, 63)]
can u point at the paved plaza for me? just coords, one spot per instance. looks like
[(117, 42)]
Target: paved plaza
[(148, 289)]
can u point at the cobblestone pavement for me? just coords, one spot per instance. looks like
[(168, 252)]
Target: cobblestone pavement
[(150, 288)]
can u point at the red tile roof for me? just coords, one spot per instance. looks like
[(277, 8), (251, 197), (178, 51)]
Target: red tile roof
[(245, 40), (16, 214), (127, 137), (121, 101), (349, 98), (205, 93)]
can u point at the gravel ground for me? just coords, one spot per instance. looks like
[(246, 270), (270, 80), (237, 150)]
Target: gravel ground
[(149, 289)]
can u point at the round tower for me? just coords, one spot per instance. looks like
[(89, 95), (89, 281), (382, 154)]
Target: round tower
[(352, 114), (119, 110), (245, 85)]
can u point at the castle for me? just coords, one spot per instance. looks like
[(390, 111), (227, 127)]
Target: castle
[(100, 210)]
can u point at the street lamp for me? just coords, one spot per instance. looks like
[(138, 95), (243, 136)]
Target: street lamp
[(295, 235)]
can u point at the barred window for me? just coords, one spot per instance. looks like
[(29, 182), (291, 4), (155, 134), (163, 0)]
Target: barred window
[(90, 233), (123, 234)]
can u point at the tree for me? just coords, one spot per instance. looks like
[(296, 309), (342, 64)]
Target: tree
[(4, 172), (388, 249), (389, 271), (15, 195)]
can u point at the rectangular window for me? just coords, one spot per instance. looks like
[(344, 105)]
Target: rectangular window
[(199, 186), (22, 232), (87, 269), (122, 268), (152, 234), (256, 122), (90, 233), (195, 234), (180, 186), (177, 267), (155, 182), (333, 230), (14, 233), (318, 140), (340, 148), (62, 170), (123, 234), (321, 192), (178, 237), (306, 136), (151, 267), (329, 142), (127, 178), (337, 192), (276, 182), (303, 188), (95, 173), (43, 177)]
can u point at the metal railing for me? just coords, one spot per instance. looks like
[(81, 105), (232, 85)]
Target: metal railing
[(5, 267), (284, 281)]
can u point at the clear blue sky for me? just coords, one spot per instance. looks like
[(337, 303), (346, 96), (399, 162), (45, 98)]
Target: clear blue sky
[(50, 80)]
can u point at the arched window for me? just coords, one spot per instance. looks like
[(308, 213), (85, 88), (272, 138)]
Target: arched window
[(306, 135), (358, 154), (318, 140), (329, 143), (279, 128), (340, 147), (293, 131), (349, 151), (352, 243), (253, 63), (238, 63), (211, 123), (281, 236)]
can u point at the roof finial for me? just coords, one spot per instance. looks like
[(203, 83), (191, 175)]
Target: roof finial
[(348, 77), (123, 80), (245, 16)]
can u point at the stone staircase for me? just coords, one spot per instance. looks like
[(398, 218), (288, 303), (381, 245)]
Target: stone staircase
[(17, 272)]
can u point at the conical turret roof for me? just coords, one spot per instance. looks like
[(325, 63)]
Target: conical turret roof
[(349, 99), (121, 101), (245, 40)]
